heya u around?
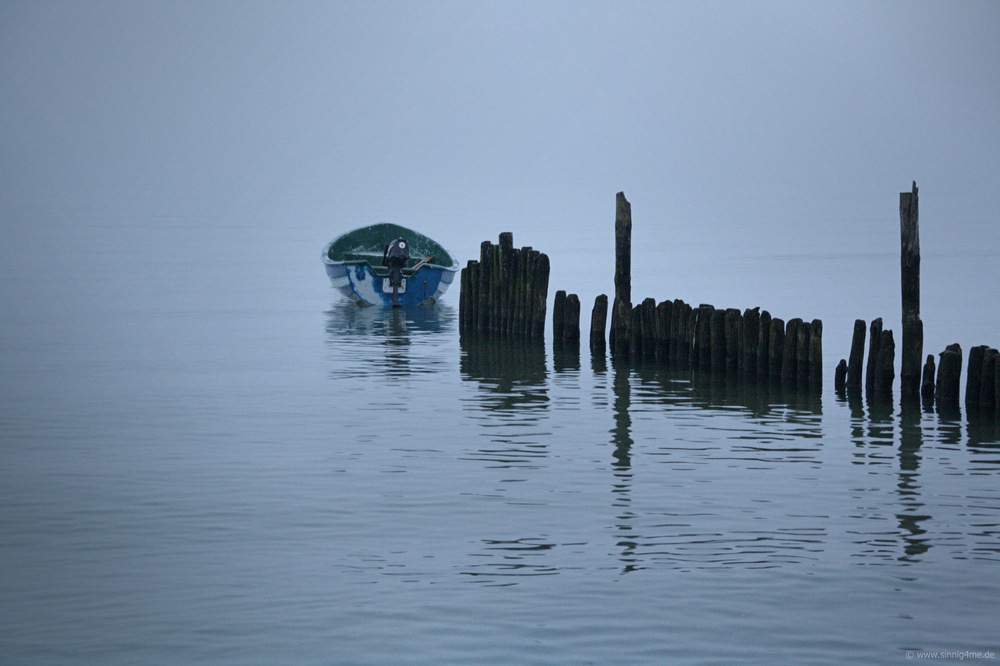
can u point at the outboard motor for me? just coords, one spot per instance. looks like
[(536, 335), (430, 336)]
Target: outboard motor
[(396, 254)]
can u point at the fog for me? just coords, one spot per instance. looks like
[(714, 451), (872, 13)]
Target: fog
[(739, 127)]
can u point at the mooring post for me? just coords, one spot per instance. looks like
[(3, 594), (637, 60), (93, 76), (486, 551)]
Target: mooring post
[(927, 382), (598, 322), (854, 373), (571, 320), (885, 362), (840, 376), (974, 376), (558, 315), (816, 354), (986, 387), (540, 289), (949, 375), (621, 311), (875, 340), (776, 349), (789, 359), (763, 344), (913, 328)]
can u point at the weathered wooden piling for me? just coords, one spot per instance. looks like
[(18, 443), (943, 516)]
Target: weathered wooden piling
[(664, 311), (875, 340), (802, 354), (815, 355), (647, 327), (949, 376), (751, 343), (927, 381), (598, 322), (913, 329), (974, 376), (840, 376), (717, 340), (776, 348), (885, 366), (505, 292), (621, 311), (571, 320), (763, 345), (731, 340), (789, 358), (986, 387), (854, 364), (558, 315)]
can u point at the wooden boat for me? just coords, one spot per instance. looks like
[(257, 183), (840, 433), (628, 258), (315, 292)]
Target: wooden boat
[(358, 264)]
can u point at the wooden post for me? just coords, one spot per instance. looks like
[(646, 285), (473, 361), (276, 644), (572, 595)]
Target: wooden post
[(527, 313), (571, 320), (927, 382), (540, 296), (751, 342), (986, 389), (635, 332), (875, 339), (485, 293), (815, 355), (802, 355), (974, 376), (731, 329), (558, 315), (776, 349), (854, 373), (913, 328), (789, 359), (647, 327), (664, 313), (621, 312), (885, 366), (717, 341), (949, 375), (763, 347), (840, 376), (598, 322)]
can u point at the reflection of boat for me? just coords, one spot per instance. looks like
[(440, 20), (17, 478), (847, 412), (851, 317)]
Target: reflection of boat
[(360, 266)]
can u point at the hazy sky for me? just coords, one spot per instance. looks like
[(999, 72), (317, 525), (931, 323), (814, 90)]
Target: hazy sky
[(794, 117)]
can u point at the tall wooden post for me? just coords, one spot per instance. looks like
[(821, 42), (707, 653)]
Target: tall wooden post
[(621, 311), (913, 329)]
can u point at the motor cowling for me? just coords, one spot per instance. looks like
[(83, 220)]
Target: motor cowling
[(397, 253)]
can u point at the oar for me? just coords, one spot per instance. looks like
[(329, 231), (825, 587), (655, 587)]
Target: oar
[(422, 262)]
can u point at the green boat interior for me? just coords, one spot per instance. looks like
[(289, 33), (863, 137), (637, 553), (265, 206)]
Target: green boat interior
[(367, 245)]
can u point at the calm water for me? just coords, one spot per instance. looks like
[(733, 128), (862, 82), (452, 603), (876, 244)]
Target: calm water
[(222, 462)]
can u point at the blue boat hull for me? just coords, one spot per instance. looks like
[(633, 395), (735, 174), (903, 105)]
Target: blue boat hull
[(358, 282)]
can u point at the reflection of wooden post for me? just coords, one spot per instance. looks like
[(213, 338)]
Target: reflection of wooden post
[(598, 322), (913, 328), (621, 312)]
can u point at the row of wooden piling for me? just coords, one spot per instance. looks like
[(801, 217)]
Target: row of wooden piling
[(505, 292), (940, 383), (725, 341)]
